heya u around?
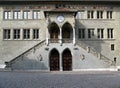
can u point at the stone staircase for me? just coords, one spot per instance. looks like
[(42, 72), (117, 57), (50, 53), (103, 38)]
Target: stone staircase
[(32, 49), (95, 53)]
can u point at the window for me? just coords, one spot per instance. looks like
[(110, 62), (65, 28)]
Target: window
[(80, 15), (112, 47), (109, 14), (7, 15), (35, 33), (6, 33), (26, 15), (99, 14), (16, 15), (90, 33), (36, 14), (110, 32), (90, 14), (81, 33), (100, 33), (26, 33), (16, 34)]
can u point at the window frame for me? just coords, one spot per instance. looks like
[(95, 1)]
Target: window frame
[(16, 14), (37, 15), (81, 14), (81, 32), (100, 14), (109, 15), (26, 14), (90, 14), (100, 33), (16, 34), (7, 15), (6, 34), (110, 32), (112, 47), (35, 33), (91, 32), (26, 34)]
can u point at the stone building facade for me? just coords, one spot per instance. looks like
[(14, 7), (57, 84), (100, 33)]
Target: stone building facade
[(59, 35)]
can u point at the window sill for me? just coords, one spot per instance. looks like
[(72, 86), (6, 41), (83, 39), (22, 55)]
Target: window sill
[(21, 40), (21, 19), (97, 39), (98, 19)]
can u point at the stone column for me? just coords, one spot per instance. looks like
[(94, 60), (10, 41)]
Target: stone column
[(60, 35), (60, 63), (74, 36), (47, 37)]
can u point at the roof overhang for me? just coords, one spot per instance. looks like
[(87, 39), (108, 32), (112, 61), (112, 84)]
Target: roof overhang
[(16, 2)]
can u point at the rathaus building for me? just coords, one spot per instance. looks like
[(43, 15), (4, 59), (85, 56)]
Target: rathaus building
[(60, 35)]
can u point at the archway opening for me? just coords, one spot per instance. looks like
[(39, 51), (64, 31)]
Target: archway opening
[(54, 60), (67, 60), (67, 31), (54, 31)]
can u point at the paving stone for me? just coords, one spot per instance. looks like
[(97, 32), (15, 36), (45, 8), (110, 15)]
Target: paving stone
[(59, 79)]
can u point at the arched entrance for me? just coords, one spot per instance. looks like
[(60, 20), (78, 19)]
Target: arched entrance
[(54, 60), (67, 31), (54, 31), (67, 60)]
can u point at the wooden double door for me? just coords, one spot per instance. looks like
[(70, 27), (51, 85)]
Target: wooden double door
[(67, 60), (55, 61)]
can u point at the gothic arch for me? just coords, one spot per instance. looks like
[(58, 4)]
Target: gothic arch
[(54, 60), (54, 30), (67, 31), (67, 60)]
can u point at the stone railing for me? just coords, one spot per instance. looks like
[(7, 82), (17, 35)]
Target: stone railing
[(32, 49), (54, 40), (67, 40), (64, 40), (94, 52)]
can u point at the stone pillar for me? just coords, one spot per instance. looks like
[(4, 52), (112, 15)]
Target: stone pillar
[(60, 35), (47, 37), (61, 67), (74, 36)]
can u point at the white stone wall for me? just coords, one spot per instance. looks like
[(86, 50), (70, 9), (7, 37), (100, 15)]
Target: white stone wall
[(9, 49)]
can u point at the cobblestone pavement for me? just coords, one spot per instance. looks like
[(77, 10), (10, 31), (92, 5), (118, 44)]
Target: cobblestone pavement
[(20, 79)]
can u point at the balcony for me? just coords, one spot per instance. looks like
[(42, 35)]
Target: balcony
[(65, 40)]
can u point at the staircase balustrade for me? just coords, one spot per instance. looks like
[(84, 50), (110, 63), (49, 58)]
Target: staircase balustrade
[(32, 49), (95, 53)]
